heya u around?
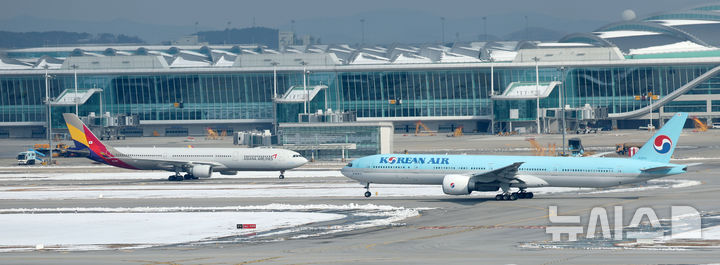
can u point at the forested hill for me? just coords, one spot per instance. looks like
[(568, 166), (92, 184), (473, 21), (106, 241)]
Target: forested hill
[(58, 38)]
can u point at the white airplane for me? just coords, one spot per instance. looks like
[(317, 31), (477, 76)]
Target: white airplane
[(196, 162), (463, 174)]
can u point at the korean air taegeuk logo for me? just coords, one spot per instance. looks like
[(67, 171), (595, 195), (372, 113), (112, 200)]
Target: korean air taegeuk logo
[(662, 144)]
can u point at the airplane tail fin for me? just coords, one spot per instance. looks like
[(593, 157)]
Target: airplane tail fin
[(662, 145), (83, 137)]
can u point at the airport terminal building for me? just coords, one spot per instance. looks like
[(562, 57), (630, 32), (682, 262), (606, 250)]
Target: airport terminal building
[(612, 77)]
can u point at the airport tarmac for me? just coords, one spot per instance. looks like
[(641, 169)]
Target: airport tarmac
[(458, 229)]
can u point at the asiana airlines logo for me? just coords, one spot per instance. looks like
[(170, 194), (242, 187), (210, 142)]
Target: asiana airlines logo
[(415, 160)]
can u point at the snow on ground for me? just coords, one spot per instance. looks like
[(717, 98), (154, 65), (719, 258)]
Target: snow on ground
[(51, 229), (111, 228), (188, 190), (6, 176)]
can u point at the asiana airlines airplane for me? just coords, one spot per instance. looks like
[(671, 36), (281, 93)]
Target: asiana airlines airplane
[(463, 174), (195, 162)]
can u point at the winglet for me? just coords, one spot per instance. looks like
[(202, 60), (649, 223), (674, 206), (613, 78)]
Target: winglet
[(662, 145)]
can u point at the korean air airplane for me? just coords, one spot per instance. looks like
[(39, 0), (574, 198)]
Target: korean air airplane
[(463, 174), (195, 162)]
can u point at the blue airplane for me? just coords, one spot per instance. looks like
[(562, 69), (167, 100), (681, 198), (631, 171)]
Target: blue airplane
[(463, 174)]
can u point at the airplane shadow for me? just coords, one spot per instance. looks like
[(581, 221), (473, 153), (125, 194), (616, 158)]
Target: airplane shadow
[(566, 197), (469, 201)]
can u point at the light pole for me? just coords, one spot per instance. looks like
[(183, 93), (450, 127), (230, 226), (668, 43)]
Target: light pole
[(537, 93), (485, 28), (442, 24), (562, 105), (362, 30), (305, 94), (526, 29), (49, 114), (492, 92), (227, 33), (75, 67), (650, 125), (275, 122)]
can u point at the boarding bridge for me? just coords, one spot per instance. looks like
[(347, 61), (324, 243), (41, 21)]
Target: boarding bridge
[(70, 97), (300, 94), (527, 90)]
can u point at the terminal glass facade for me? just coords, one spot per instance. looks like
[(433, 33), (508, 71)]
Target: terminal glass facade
[(378, 94), (366, 139)]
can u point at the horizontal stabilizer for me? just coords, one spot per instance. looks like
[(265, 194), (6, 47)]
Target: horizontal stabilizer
[(653, 169)]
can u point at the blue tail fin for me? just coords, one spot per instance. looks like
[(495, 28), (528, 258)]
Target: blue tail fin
[(661, 146)]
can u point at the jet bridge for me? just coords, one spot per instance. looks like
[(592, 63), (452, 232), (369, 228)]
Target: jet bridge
[(300, 94), (527, 90), (70, 97)]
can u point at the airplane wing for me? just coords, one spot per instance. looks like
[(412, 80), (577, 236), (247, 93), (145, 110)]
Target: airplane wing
[(171, 164), (503, 175)]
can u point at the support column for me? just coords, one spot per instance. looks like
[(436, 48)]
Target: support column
[(661, 112)]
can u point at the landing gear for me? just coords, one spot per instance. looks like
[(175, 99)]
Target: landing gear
[(176, 177), (507, 196), (282, 174), (190, 176), (524, 195), (367, 193)]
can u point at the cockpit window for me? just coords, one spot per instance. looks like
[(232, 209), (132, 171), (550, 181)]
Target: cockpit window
[(349, 165), (296, 155)]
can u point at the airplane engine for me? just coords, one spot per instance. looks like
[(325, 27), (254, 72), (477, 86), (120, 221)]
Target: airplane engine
[(228, 172), (456, 185), (201, 171)]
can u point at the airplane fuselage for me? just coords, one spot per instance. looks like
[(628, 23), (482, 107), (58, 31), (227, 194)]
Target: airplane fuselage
[(232, 159), (534, 172)]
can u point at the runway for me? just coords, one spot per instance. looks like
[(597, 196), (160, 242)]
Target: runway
[(399, 224)]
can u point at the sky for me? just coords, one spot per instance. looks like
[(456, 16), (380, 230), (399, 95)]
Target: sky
[(274, 13), (216, 14)]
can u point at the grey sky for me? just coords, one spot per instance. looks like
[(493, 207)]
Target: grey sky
[(278, 13)]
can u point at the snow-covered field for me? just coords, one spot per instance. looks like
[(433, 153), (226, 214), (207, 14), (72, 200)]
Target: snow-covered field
[(113, 228), (63, 229)]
